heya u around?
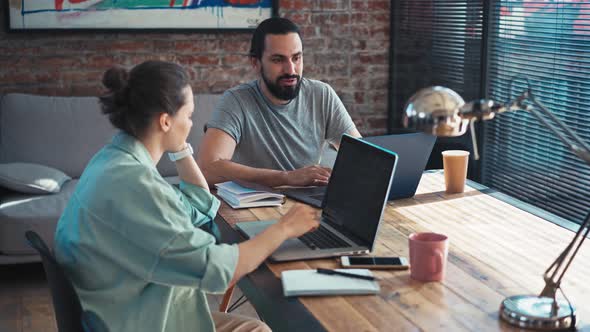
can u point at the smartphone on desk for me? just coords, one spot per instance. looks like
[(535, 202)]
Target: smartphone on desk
[(395, 263)]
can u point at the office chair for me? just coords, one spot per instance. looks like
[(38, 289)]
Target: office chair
[(68, 311), (92, 323)]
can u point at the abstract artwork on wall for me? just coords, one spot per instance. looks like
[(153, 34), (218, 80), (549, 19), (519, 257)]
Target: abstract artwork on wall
[(138, 14)]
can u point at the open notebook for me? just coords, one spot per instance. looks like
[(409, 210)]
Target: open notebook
[(311, 283), (246, 195)]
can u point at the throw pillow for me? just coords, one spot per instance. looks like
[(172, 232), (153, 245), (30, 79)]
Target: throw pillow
[(31, 178)]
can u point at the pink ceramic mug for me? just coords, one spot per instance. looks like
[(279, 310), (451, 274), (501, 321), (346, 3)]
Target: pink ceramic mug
[(428, 256)]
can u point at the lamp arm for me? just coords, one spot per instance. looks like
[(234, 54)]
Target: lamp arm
[(554, 274), (573, 141), (559, 267)]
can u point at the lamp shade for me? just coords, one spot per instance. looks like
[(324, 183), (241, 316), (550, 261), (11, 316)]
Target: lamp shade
[(436, 110)]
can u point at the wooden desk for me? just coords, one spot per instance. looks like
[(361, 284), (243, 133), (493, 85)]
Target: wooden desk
[(496, 250)]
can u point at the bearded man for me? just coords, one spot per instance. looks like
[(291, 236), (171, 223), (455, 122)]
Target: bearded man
[(273, 130)]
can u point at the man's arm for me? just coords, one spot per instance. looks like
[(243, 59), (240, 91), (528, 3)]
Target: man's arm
[(189, 171), (215, 155), (354, 133)]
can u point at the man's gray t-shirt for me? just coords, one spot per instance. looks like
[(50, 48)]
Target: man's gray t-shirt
[(284, 137)]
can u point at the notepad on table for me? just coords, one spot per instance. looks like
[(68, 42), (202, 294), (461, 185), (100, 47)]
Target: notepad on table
[(310, 283), (246, 195)]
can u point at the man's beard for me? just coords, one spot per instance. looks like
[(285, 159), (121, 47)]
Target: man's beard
[(282, 92)]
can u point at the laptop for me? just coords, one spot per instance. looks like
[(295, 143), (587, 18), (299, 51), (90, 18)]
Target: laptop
[(313, 196), (355, 199), (413, 151)]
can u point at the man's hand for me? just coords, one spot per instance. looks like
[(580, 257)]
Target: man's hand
[(299, 220), (308, 176)]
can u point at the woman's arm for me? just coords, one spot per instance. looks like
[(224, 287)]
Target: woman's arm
[(299, 220), (189, 171)]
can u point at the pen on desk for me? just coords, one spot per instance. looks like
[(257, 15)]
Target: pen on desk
[(344, 274)]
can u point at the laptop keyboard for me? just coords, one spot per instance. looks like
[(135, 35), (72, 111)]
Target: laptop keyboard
[(322, 238)]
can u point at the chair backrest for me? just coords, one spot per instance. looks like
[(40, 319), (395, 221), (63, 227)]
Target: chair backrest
[(93, 323), (68, 311)]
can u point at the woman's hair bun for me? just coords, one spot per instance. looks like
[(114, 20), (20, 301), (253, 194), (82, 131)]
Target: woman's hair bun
[(139, 96), (115, 79)]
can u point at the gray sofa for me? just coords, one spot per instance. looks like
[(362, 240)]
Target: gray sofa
[(62, 133)]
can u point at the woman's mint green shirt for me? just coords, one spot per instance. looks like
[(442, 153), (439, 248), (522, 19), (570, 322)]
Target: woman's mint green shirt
[(129, 242)]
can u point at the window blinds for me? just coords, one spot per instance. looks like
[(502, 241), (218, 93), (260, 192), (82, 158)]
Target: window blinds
[(434, 42), (548, 42)]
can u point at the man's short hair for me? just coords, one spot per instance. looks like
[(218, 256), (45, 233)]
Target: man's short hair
[(273, 26)]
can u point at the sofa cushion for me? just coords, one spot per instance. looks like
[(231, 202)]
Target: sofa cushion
[(31, 178), (60, 132), (19, 213)]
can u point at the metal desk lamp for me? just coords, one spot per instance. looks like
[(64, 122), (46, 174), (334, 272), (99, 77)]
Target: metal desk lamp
[(440, 111)]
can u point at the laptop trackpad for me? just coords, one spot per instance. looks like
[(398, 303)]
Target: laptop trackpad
[(253, 228)]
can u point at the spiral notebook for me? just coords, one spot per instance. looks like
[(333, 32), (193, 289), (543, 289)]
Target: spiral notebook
[(311, 283)]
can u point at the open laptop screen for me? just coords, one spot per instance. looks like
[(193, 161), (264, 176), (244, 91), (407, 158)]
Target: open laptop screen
[(413, 150), (358, 189)]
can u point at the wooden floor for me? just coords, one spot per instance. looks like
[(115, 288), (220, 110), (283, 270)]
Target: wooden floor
[(25, 302)]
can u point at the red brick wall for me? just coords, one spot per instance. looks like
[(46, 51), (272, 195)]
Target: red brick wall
[(346, 44)]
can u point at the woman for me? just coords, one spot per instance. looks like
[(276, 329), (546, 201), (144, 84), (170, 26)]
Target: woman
[(130, 242)]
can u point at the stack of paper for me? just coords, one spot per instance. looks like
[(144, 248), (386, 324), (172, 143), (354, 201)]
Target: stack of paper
[(240, 195), (310, 282)]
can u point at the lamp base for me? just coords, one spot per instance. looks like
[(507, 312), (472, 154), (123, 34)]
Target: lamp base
[(534, 312)]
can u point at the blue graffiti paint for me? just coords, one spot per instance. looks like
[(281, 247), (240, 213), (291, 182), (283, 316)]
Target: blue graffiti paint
[(223, 3)]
